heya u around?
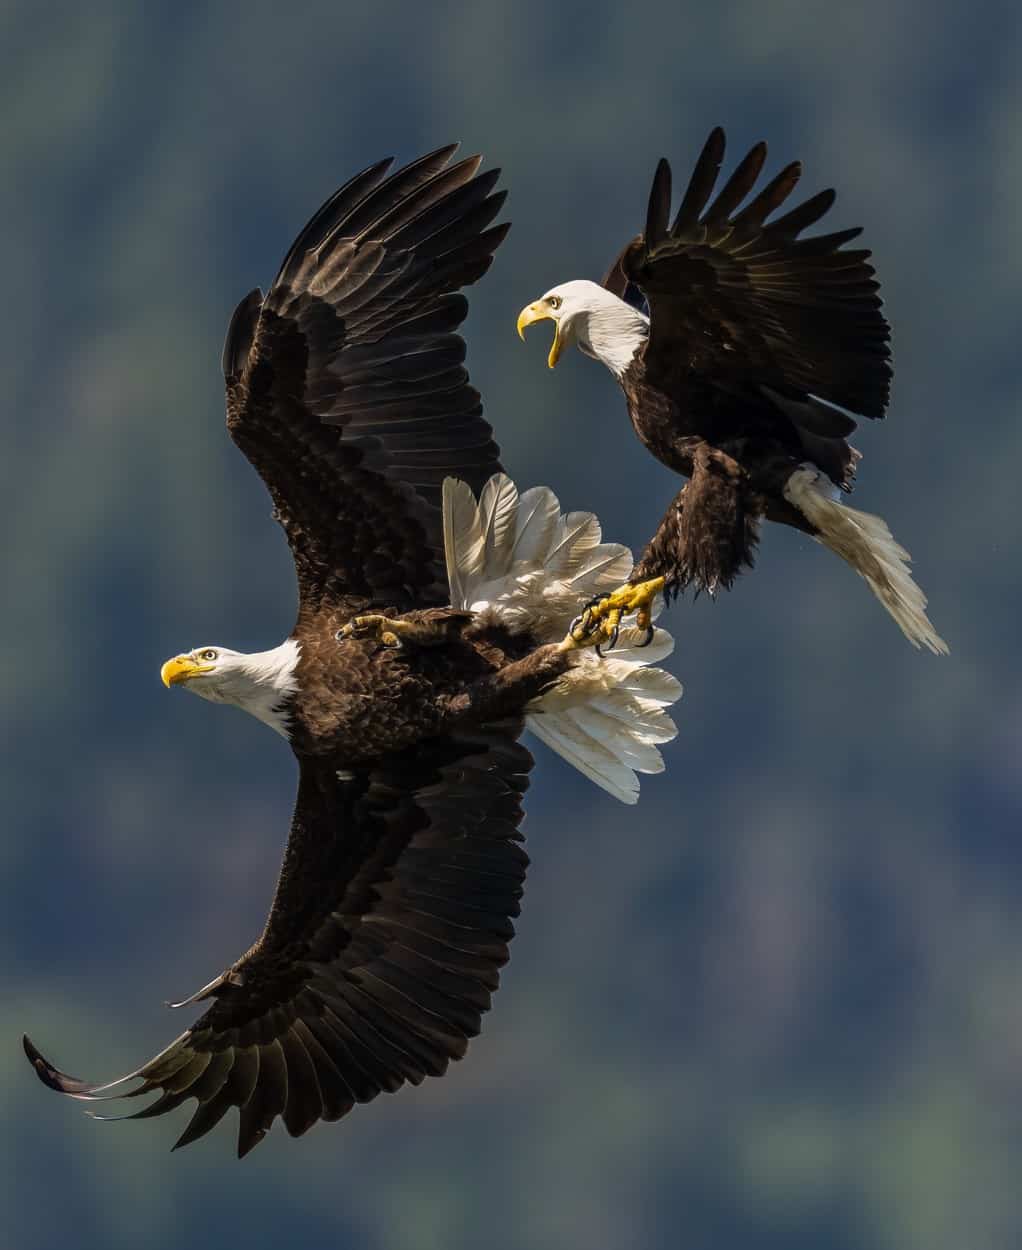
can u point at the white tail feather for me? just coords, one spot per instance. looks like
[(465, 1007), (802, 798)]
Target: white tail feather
[(520, 561), (498, 507), (866, 542), (463, 542)]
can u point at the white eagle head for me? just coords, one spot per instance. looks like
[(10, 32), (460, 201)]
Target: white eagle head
[(587, 314), (259, 683)]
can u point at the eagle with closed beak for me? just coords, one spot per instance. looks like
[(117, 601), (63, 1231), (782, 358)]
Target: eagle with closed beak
[(435, 605)]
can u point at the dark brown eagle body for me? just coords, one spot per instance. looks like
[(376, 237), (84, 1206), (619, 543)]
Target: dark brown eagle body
[(464, 673), (738, 471), (757, 341)]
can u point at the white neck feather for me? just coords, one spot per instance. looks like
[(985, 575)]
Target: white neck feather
[(260, 684), (612, 331)]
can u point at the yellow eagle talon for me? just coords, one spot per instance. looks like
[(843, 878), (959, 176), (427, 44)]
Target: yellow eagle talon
[(600, 621), (632, 597)]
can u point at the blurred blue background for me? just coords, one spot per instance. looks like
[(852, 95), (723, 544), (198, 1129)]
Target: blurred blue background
[(777, 1005)]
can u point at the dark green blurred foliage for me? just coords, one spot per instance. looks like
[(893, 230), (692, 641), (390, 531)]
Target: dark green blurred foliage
[(776, 1006)]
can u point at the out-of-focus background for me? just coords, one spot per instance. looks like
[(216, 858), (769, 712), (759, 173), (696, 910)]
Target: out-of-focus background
[(779, 1004)]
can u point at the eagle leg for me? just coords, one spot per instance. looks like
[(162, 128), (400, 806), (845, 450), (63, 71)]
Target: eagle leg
[(600, 622), (385, 630), (422, 630)]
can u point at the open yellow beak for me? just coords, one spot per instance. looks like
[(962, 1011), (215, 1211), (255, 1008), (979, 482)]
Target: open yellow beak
[(180, 669), (541, 312)]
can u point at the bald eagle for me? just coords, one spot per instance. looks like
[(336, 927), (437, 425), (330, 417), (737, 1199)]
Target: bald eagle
[(741, 348), (433, 604)]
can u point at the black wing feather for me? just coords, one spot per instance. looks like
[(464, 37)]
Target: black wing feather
[(354, 346), (379, 974), (658, 210), (770, 198), (740, 303), (701, 184), (737, 186)]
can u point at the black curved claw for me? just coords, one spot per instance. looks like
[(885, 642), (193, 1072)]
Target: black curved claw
[(611, 642), (579, 623), (650, 631)]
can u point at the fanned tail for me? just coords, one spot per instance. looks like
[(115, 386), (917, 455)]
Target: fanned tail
[(866, 542), (518, 559)]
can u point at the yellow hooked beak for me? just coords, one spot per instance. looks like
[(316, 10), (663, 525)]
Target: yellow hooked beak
[(180, 669), (540, 311)]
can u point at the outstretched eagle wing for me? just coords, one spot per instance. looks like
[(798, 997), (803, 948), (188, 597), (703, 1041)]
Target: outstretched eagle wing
[(345, 383), (738, 302), (391, 919)]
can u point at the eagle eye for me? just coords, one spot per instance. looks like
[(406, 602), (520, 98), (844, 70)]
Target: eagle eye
[(208, 656), (554, 301)]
